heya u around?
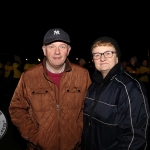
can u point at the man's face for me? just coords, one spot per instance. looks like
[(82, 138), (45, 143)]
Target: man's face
[(56, 54)]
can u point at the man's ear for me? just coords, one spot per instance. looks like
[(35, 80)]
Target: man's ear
[(44, 50), (69, 48)]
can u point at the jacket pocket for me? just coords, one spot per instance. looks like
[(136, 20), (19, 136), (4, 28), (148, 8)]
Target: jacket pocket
[(107, 113), (74, 97), (41, 100)]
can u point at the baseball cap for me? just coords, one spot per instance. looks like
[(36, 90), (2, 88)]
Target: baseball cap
[(56, 34)]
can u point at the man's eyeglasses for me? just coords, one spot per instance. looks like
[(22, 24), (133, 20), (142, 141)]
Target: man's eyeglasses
[(107, 54)]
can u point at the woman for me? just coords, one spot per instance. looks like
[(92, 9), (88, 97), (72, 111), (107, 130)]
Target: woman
[(116, 111), (133, 67), (144, 75)]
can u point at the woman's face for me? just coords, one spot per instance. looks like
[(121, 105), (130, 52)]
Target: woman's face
[(105, 63), (144, 62), (132, 61)]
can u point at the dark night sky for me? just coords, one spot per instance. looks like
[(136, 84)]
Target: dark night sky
[(23, 26)]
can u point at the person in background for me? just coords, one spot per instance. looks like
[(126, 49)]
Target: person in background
[(30, 63), (124, 64), (8, 75), (133, 67), (1, 76), (47, 105), (116, 110), (83, 63), (144, 75), (17, 71), (8, 69), (90, 68), (1, 69)]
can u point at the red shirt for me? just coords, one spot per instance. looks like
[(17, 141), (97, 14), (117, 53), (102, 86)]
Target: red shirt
[(55, 77)]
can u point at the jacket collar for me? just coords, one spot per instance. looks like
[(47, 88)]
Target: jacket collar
[(67, 66)]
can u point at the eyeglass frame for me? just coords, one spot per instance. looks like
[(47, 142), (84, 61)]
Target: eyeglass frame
[(112, 52)]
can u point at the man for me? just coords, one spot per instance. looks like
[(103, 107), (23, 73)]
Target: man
[(47, 105)]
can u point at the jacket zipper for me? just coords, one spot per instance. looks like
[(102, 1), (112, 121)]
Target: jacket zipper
[(58, 110)]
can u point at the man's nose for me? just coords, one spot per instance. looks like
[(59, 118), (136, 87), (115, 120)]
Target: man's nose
[(57, 50)]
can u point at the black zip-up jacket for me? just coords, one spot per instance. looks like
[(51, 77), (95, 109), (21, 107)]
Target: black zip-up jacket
[(116, 113)]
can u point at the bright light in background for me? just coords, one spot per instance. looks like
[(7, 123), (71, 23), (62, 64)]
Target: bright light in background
[(26, 59), (39, 60), (76, 58)]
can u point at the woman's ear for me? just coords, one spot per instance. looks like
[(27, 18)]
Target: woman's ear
[(117, 59)]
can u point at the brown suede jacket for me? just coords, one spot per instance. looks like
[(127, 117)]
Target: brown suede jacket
[(48, 118)]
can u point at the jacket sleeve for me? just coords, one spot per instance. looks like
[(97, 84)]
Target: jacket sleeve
[(133, 118), (80, 118), (20, 115)]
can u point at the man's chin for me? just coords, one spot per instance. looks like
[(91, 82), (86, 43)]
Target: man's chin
[(58, 65)]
